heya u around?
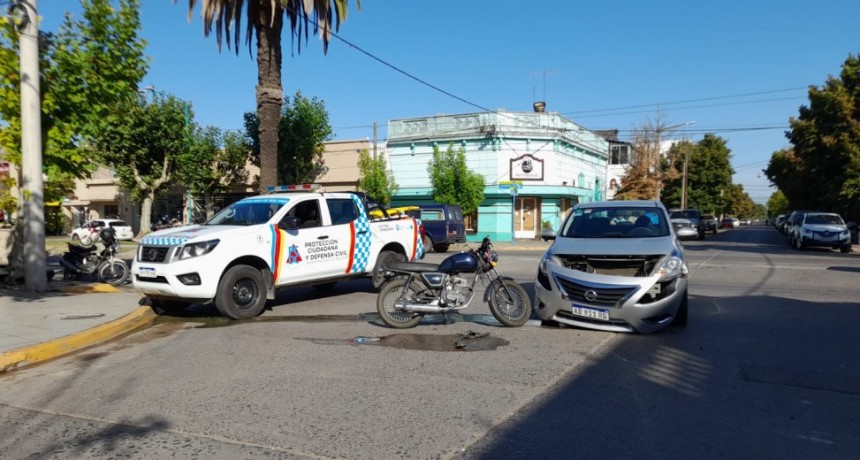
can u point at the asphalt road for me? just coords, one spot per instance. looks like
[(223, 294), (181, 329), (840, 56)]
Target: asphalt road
[(767, 367)]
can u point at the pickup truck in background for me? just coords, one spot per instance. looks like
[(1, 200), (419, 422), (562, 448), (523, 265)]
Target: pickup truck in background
[(444, 225), (247, 251)]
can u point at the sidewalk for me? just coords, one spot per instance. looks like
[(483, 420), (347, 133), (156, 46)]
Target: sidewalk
[(71, 316)]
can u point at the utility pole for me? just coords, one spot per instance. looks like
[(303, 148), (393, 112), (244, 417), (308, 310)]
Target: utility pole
[(33, 203), (684, 181), (374, 139)]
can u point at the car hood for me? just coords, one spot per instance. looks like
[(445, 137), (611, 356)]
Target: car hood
[(681, 220), (614, 246), (194, 233)]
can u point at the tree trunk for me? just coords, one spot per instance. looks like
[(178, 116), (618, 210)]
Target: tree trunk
[(270, 94), (145, 213)]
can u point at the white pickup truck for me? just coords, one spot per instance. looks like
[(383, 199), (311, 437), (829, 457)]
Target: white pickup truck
[(263, 243)]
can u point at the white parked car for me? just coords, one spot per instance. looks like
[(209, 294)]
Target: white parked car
[(87, 234), (821, 229)]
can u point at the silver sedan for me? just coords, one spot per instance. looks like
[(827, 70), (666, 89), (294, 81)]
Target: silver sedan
[(614, 266)]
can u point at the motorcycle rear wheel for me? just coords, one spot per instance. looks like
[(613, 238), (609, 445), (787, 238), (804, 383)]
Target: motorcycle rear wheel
[(114, 273), (391, 291), (512, 306)]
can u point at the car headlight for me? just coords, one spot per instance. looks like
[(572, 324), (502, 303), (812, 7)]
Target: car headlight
[(671, 267), (547, 260), (197, 249)]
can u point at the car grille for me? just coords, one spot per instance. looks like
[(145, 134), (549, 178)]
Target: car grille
[(604, 296), (153, 253)]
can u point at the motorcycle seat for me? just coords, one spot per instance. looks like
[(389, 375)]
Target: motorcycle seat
[(417, 267), (80, 249)]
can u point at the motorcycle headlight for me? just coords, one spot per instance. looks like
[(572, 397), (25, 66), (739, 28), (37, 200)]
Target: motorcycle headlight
[(197, 249), (549, 259), (671, 267)]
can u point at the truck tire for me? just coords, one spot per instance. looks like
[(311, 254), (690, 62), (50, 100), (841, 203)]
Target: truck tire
[(440, 248), (379, 270), (241, 293)]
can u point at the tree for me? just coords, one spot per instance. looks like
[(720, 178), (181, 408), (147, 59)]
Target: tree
[(649, 169), (822, 169), (214, 161), (86, 68), (143, 147), (452, 182), (709, 172), (738, 201), (302, 130), (375, 179), (777, 204), (265, 22)]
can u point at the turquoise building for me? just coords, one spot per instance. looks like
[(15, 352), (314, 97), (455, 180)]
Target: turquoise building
[(536, 165)]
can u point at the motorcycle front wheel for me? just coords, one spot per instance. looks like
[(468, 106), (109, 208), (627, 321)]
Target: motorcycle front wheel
[(510, 303), (390, 292), (114, 273)]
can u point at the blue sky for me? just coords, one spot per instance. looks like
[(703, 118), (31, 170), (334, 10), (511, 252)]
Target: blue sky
[(610, 64)]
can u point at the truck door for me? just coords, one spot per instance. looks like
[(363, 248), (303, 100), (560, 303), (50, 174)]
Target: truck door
[(310, 251), (353, 235)]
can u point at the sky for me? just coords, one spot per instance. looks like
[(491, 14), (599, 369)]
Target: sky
[(736, 68)]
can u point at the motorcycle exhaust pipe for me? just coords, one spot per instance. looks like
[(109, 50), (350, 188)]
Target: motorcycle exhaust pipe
[(424, 308), (68, 266)]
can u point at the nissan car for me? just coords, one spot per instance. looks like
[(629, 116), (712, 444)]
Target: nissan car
[(614, 266)]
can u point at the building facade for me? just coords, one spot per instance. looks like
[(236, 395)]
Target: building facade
[(536, 166)]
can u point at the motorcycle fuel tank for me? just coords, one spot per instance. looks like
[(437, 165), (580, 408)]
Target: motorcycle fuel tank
[(463, 262)]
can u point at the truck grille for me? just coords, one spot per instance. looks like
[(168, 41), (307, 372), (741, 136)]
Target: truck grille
[(153, 253)]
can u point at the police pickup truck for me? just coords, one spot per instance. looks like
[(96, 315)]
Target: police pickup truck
[(248, 250)]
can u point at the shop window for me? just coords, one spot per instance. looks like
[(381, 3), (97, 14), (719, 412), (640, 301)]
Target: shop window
[(471, 222)]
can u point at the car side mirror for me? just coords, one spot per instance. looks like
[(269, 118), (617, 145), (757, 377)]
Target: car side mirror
[(289, 223)]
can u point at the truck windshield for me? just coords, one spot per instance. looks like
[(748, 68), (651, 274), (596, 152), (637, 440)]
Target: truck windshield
[(247, 212)]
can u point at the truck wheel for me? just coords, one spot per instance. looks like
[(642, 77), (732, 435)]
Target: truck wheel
[(241, 293), (440, 248), (385, 257), (428, 244)]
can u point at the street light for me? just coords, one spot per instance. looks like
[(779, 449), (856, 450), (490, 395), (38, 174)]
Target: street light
[(189, 199), (657, 131)]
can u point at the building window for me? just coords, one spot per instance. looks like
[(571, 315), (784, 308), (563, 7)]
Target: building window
[(471, 222), (619, 155), (112, 211), (580, 180)]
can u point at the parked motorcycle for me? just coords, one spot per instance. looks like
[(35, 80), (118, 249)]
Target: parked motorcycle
[(414, 289), (104, 264)]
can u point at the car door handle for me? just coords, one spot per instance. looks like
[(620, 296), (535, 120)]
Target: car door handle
[(322, 237)]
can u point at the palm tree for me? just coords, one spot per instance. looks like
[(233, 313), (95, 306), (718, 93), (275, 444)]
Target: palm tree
[(265, 20)]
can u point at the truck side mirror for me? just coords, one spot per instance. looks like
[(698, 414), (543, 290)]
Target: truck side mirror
[(289, 223)]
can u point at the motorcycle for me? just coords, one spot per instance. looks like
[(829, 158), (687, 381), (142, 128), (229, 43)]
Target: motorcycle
[(80, 260), (414, 289)]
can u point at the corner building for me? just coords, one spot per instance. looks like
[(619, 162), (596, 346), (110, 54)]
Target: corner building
[(536, 166)]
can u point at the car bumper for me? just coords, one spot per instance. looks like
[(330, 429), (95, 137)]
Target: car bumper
[(825, 242), (176, 279), (635, 311), (687, 232)]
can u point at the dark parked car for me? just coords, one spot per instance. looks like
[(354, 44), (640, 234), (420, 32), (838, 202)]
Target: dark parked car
[(443, 225), (710, 223), (687, 223)]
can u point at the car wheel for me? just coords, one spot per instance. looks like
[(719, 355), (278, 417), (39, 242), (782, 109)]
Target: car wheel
[(241, 293), (441, 248), (681, 315), (798, 243), (715, 230), (845, 248)]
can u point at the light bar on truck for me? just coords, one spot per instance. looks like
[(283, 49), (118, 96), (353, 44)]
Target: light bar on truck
[(292, 188)]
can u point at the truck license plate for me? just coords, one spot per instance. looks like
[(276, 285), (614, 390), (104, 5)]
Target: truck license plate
[(594, 313), (147, 272)]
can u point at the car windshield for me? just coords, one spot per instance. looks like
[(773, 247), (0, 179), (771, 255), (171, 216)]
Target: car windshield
[(248, 212), (615, 222), (685, 214), (823, 219)]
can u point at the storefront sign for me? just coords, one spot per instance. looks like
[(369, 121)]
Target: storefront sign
[(526, 167)]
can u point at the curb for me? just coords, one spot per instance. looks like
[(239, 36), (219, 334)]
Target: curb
[(34, 354), (98, 288)]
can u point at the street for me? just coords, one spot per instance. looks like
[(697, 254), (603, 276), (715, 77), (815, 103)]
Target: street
[(766, 368)]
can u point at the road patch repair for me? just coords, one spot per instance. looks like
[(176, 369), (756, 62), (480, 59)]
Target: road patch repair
[(138, 319)]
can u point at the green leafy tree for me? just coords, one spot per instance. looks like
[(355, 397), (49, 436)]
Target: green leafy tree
[(822, 169), (777, 204), (709, 172), (303, 129), (144, 146), (86, 68), (453, 182), (738, 201), (265, 23), (214, 161), (375, 179)]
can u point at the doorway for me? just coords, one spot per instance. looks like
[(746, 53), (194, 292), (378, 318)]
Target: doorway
[(525, 223)]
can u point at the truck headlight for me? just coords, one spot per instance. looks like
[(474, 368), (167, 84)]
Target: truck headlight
[(670, 267), (197, 249)]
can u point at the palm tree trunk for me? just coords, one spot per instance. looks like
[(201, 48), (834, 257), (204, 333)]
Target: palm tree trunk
[(270, 93)]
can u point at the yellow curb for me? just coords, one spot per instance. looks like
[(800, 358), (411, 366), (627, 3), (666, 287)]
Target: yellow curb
[(89, 289), (25, 356)]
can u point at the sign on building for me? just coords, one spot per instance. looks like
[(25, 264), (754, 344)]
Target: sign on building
[(526, 167)]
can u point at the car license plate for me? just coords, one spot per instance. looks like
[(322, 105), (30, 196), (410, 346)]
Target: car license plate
[(147, 272), (594, 313)]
